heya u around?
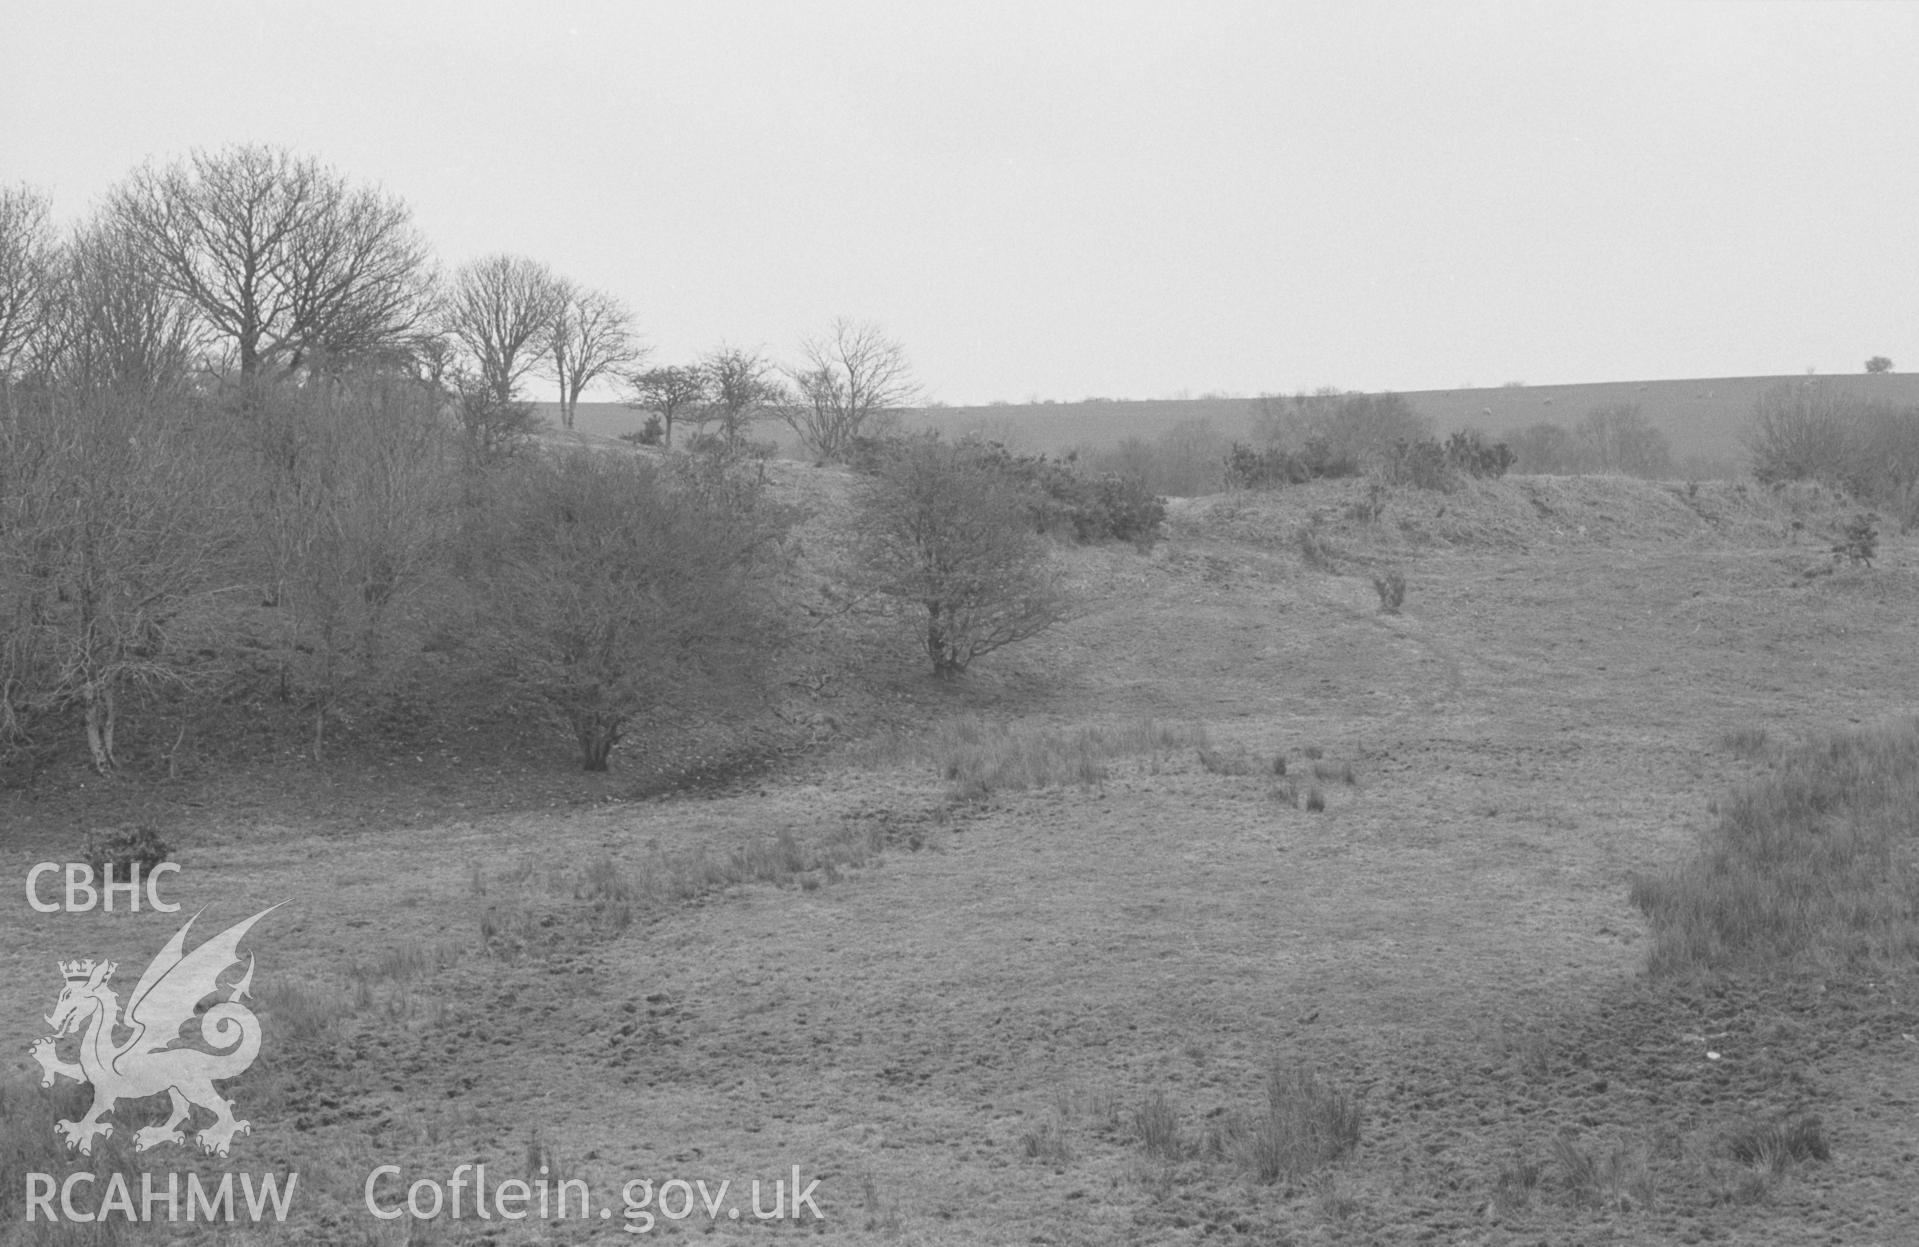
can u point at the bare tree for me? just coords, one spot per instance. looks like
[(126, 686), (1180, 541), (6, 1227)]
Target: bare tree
[(352, 495), (502, 310), (111, 525), (111, 322), (592, 337), (1619, 438), (853, 379), (669, 391), (741, 389), (285, 261), (947, 536), (622, 594), (26, 263)]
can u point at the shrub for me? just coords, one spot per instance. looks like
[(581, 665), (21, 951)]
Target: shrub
[(1802, 430), (1545, 449), (1367, 510), (492, 430), (1067, 502), (945, 533), (1859, 540), (1267, 467), (1270, 467), (652, 433), (619, 591), (1606, 439), (1620, 439), (1186, 461), (1421, 464), (1338, 434), (134, 846), (1316, 549), (1469, 453), (1122, 509)]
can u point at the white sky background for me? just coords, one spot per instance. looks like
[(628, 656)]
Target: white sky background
[(1062, 200)]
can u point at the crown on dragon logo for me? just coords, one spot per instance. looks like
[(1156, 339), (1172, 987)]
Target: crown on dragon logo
[(78, 971)]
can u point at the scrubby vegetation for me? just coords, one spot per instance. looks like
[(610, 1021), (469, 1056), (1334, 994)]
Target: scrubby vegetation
[(978, 759), (944, 535), (1612, 439), (1329, 435), (1810, 867), (1819, 430)]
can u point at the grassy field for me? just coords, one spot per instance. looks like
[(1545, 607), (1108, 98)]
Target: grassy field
[(1702, 417), (1235, 910)]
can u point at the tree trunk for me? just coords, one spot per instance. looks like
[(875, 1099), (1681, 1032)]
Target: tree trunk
[(100, 719), (939, 647), (598, 734)]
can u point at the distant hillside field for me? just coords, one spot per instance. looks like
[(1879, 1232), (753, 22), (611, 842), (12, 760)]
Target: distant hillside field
[(1701, 417)]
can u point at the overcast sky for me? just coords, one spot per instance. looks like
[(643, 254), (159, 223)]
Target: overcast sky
[(1062, 200)]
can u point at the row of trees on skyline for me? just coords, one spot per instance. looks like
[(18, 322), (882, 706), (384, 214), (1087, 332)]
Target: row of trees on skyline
[(256, 262)]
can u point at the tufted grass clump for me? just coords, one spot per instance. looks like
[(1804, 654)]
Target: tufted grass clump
[(978, 759)]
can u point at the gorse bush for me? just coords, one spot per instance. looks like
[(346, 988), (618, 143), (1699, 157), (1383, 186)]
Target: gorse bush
[(1467, 450), (1071, 503), (1269, 467), (1338, 434), (1422, 464), (652, 433)]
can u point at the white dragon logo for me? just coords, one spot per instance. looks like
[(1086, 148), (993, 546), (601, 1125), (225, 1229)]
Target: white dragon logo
[(166, 998)]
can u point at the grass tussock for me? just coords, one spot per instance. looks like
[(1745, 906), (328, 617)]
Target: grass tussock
[(1615, 1179), (1776, 1146), (1813, 867), (1156, 1125), (1391, 588), (1747, 742), (977, 758), (618, 891), (1306, 1122), (1227, 761)]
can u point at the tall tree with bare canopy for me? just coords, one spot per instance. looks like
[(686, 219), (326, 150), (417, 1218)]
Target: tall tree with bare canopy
[(592, 337), (503, 310), (26, 273), (286, 262), (853, 381)]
